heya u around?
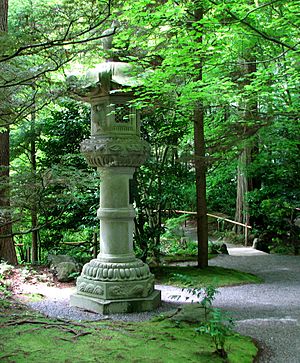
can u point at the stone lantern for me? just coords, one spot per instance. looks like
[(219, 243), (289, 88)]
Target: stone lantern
[(116, 281)]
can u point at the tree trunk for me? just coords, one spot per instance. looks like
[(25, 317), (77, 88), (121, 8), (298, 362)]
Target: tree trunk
[(34, 219), (245, 183), (200, 167), (3, 15), (7, 248), (243, 187), (200, 163)]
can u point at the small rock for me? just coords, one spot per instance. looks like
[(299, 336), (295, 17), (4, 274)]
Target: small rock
[(54, 260), (223, 249), (64, 271)]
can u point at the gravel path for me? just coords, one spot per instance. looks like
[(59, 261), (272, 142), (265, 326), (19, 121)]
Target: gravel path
[(268, 312)]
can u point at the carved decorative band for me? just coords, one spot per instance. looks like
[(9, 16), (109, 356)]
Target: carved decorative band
[(108, 161), (115, 290), (102, 271), (115, 151)]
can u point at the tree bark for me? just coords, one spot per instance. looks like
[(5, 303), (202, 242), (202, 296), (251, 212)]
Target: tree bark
[(243, 187), (245, 183), (7, 248), (34, 218), (3, 15), (200, 162), (200, 167)]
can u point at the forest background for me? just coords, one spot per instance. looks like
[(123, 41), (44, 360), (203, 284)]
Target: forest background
[(220, 107)]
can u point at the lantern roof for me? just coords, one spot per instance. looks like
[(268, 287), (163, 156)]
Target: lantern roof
[(105, 79)]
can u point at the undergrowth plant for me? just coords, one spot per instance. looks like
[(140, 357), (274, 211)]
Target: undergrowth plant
[(218, 327), (216, 324)]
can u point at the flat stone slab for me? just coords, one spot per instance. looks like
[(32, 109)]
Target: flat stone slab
[(116, 306)]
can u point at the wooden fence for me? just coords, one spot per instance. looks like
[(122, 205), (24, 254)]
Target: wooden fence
[(26, 253)]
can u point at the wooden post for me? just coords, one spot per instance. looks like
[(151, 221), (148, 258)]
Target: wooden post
[(246, 235), (28, 254)]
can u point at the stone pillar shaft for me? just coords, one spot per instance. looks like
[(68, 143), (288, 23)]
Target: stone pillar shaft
[(116, 215)]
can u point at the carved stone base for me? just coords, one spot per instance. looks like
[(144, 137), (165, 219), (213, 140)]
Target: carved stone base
[(115, 280), (109, 287), (116, 306), (115, 290)]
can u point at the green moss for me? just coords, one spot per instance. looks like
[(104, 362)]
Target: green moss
[(50, 341), (219, 276)]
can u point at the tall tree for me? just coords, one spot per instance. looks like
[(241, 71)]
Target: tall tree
[(199, 145), (34, 207), (7, 249), (245, 183)]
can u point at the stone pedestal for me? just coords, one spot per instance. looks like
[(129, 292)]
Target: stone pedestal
[(115, 281)]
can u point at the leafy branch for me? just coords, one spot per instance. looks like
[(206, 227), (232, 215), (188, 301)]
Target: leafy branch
[(263, 34), (61, 42)]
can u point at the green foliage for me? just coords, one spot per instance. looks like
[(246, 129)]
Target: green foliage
[(60, 189), (82, 253), (249, 59), (41, 40), (162, 182), (174, 227), (248, 86), (215, 324), (182, 248), (62, 130), (274, 205), (276, 224), (221, 187), (226, 234), (219, 328)]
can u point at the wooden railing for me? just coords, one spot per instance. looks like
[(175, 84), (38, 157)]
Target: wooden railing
[(246, 226)]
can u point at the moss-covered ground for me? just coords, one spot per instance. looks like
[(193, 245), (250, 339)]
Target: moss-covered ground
[(29, 337), (218, 276), (26, 336)]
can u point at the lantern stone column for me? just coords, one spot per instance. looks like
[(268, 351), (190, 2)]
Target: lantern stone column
[(116, 281)]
